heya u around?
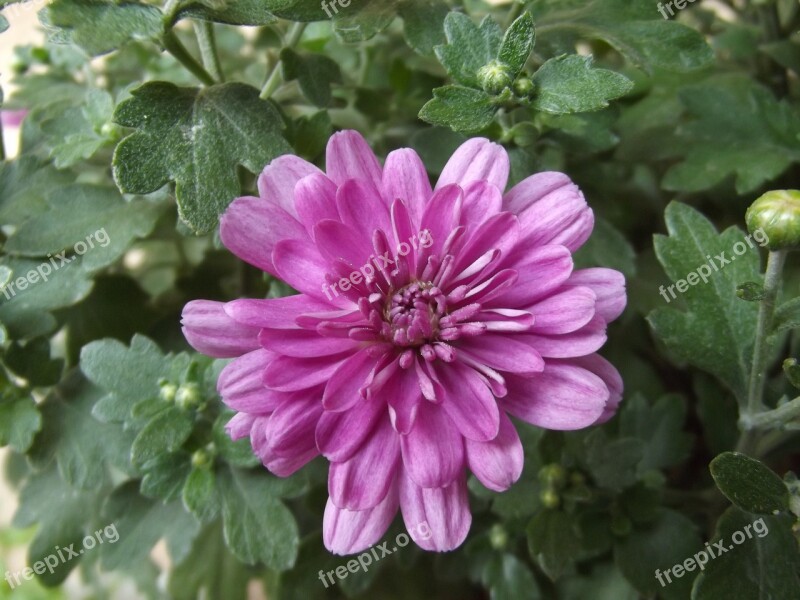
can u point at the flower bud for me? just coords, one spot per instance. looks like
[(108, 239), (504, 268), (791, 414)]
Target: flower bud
[(549, 498), (498, 537), (203, 458), (777, 215), (188, 396), (523, 87), (167, 390), (553, 475), (494, 77)]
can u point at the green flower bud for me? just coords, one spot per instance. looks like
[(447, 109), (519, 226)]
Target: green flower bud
[(202, 458), (167, 391), (550, 498), (553, 475), (494, 78), (751, 291), (776, 215), (523, 87), (188, 396), (498, 537)]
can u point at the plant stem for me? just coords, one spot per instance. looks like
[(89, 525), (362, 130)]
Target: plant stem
[(208, 49), (174, 46), (275, 76), (776, 416)]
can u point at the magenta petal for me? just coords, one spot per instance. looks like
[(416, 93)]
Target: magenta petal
[(564, 312), (532, 189), (503, 353), (363, 481), (610, 376), (340, 435), (209, 330), (315, 200), (405, 178), (498, 232), (477, 159), (289, 374), (301, 266), (348, 156), (350, 531), (589, 338), (290, 429), (361, 207), (251, 227), (482, 200), (609, 287), (563, 397), (241, 387), (240, 426), (441, 217), (541, 271), (437, 519), (469, 402), (337, 241), (278, 180), (303, 343), (497, 463), (404, 395), (274, 313), (282, 465), (433, 451), (344, 387)]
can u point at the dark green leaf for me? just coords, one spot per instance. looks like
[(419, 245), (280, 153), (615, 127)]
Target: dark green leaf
[(19, 422), (661, 429), (508, 578), (201, 495), (518, 43), (236, 12), (460, 108), (314, 73), (749, 484), (195, 138), (423, 22), (164, 433), (468, 47), (553, 542)]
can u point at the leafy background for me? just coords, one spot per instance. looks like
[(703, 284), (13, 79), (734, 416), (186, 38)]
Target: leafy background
[(148, 118)]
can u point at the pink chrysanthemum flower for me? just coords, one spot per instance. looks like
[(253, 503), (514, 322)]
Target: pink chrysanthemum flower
[(425, 317)]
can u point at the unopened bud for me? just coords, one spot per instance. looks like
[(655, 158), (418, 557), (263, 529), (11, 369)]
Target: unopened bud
[(494, 78), (777, 215)]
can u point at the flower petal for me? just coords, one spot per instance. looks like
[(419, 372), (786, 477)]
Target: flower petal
[(405, 178), (348, 156), (437, 519), (343, 389), (610, 376), (274, 313), (468, 402), (609, 287), (290, 429), (241, 384), (278, 180), (208, 329), (541, 271), (351, 531), (301, 266), (477, 159), (563, 312), (315, 200), (497, 463), (589, 338), (503, 353), (433, 451), (290, 374), (340, 435)]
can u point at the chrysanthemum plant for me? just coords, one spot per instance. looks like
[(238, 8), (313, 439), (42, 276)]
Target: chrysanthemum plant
[(415, 270)]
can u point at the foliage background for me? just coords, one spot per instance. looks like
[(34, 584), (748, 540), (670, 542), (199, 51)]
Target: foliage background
[(674, 130)]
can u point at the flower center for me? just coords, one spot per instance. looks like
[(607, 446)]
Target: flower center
[(413, 313)]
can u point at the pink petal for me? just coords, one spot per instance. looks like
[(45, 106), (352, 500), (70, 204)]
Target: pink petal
[(349, 157), (209, 330), (589, 338), (532, 189), (361, 207), (240, 425), (290, 429), (315, 200), (563, 312), (300, 265), (477, 159), (343, 389), (482, 200), (610, 376), (289, 374), (340, 435), (468, 402), (363, 481), (339, 242), (404, 395), (251, 227), (405, 178), (433, 451), (303, 343), (498, 232), (278, 180), (351, 531), (441, 216), (241, 384), (609, 287), (503, 353), (541, 270), (497, 463), (437, 519), (563, 397), (282, 465), (274, 313)]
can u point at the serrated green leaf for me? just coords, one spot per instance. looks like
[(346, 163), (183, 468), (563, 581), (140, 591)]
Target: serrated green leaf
[(33, 363), (749, 484), (508, 578), (166, 432), (518, 43), (201, 496), (361, 20), (715, 333), (787, 315), (237, 12), (423, 23), (258, 527), (165, 476), (20, 420), (24, 185), (553, 542), (100, 27), (766, 564), (462, 109), (608, 247), (613, 462), (238, 453), (569, 84), (660, 426), (196, 138), (468, 47), (315, 74)]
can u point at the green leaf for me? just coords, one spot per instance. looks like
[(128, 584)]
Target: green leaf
[(24, 185), (33, 363), (165, 477), (518, 43), (81, 446), (613, 462), (100, 27), (462, 109), (766, 564), (71, 225), (258, 527), (787, 315), (508, 578), (749, 484), (569, 84), (20, 420), (553, 542), (423, 23), (361, 20), (468, 47), (315, 74), (196, 138), (667, 541), (237, 12), (608, 247), (715, 332), (129, 375), (201, 495), (164, 433), (660, 426), (736, 127), (141, 523)]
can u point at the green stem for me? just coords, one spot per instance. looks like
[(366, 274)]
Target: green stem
[(776, 416), (174, 46), (204, 31), (275, 76)]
